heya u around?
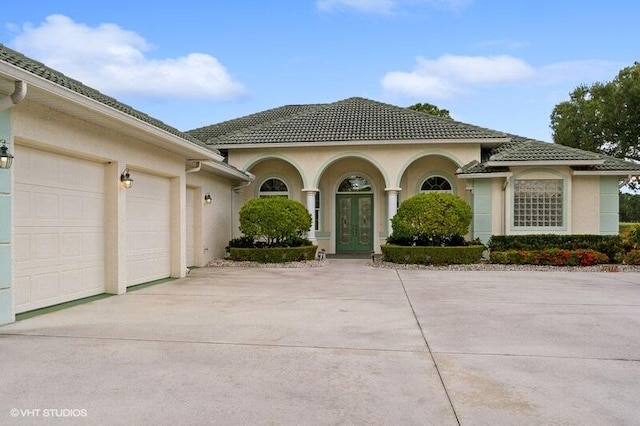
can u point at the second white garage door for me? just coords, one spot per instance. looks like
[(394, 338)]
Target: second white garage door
[(148, 229)]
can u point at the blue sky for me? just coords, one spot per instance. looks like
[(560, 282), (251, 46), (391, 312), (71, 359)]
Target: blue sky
[(497, 64)]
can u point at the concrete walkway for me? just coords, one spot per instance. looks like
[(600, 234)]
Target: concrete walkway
[(340, 344)]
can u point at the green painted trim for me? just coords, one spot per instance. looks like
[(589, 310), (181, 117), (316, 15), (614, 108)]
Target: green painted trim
[(60, 306), (609, 206), (482, 205), (148, 284)]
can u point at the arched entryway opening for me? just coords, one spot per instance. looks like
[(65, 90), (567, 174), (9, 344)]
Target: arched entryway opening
[(351, 214), (354, 215)]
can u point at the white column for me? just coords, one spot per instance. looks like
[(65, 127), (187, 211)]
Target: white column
[(392, 205), (311, 208), (115, 229)]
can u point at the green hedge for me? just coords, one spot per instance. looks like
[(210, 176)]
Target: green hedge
[(553, 257), (274, 254), (432, 255), (611, 245)]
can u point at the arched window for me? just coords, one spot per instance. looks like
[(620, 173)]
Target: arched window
[(274, 187), (355, 184), (436, 184)]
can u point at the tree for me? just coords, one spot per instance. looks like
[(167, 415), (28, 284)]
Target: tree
[(431, 109), (432, 219), (603, 117), (629, 208), (275, 220)]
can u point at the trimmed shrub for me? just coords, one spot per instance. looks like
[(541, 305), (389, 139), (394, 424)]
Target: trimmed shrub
[(610, 245), (632, 258), (274, 220), (432, 255), (274, 254), (434, 219), (552, 257)]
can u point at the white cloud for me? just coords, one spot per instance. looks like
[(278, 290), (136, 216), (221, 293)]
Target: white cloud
[(113, 60), (387, 6), (449, 75)]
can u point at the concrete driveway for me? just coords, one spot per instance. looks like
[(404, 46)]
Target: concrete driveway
[(341, 344)]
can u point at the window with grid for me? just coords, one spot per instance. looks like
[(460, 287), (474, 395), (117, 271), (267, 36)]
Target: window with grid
[(436, 184), (538, 203), (274, 187)]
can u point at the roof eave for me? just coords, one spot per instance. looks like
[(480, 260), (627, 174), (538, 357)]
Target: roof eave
[(176, 144), (360, 143), (620, 173), (484, 175), (227, 170)]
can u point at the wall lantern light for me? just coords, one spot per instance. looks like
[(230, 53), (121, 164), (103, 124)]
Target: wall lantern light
[(208, 199), (6, 159), (126, 179)]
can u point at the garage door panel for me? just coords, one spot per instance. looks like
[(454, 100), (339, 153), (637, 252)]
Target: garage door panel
[(148, 229), (59, 229)]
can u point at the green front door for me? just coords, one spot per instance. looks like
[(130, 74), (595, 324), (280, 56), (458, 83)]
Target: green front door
[(354, 224)]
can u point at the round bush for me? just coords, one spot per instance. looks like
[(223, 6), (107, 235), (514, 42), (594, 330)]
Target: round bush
[(431, 220), (274, 220)]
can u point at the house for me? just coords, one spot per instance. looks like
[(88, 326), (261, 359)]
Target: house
[(352, 162), (69, 228), (97, 197)]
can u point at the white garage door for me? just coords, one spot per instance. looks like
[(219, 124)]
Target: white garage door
[(190, 211), (59, 229), (148, 229)]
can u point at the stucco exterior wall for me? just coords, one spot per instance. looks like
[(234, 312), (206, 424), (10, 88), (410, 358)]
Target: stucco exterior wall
[(322, 168), (585, 201), (391, 159), (215, 224)]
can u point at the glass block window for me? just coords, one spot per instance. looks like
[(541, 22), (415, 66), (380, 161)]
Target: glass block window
[(538, 203), (274, 187), (436, 184)]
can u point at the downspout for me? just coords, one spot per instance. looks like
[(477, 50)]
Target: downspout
[(16, 97), (236, 190), (252, 177), (196, 168), (505, 217)]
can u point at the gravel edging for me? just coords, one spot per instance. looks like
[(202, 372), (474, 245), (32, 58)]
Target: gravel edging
[(472, 267), (238, 264), (500, 267)]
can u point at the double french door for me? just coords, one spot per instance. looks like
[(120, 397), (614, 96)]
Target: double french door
[(354, 224)]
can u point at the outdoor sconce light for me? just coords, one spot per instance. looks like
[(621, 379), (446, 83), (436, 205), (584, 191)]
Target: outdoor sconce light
[(208, 199), (6, 159), (126, 179)]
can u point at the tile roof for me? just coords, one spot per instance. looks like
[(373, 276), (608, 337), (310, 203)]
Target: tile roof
[(25, 63), (352, 119), (253, 120), (520, 149)]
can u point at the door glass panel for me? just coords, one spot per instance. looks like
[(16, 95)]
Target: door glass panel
[(345, 221), (364, 221)]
